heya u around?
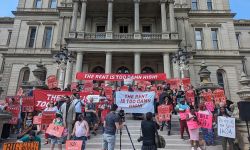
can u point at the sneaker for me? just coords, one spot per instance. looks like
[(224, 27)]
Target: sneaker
[(192, 148)]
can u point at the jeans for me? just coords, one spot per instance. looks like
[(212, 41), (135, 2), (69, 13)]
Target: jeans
[(108, 142), (83, 139)]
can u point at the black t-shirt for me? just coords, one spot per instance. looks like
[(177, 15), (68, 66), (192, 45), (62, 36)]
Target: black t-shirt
[(110, 120), (148, 129)]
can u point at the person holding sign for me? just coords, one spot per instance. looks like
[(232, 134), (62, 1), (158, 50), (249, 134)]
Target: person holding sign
[(226, 140), (30, 138), (208, 134), (91, 114), (164, 114), (57, 140), (193, 128), (182, 108)]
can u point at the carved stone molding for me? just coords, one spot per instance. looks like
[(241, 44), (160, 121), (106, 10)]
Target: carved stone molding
[(33, 23)]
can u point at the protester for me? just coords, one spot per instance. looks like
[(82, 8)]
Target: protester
[(31, 137), (81, 130), (78, 104), (226, 140), (182, 108), (208, 134), (69, 115), (111, 124), (91, 115), (149, 129), (168, 105), (193, 128), (57, 140)]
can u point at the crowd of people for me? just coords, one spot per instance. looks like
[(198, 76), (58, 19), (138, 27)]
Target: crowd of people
[(82, 119)]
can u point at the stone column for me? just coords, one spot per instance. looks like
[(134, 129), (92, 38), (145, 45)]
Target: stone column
[(166, 65), (79, 59), (74, 19), (165, 35), (83, 19), (137, 34), (137, 63), (171, 16), (68, 76), (108, 65), (109, 32), (176, 70), (61, 78)]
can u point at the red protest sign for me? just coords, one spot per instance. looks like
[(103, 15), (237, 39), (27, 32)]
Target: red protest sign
[(174, 83), (73, 145), (219, 96), (43, 97), (186, 83), (190, 95), (119, 77), (55, 130), (164, 112), (37, 119), (52, 82), (210, 105), (48, 117), (207, 95), (88, 85), (108, 92), (14, 109), (124, 88), (192, 124), (205, 120), (28, 104)]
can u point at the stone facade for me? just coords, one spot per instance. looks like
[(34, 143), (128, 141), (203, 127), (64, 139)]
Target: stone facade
[(124, 36)]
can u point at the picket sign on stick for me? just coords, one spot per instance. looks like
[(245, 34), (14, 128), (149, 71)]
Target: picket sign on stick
[(73, 145), (205, 120), (163, 113), (226, 127), (55, 130), (48, 117)]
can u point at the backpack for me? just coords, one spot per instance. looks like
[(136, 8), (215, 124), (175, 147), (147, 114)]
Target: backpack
[(160, 141)]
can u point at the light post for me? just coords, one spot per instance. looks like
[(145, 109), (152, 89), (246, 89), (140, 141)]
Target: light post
[(181, 58), (62, 57)]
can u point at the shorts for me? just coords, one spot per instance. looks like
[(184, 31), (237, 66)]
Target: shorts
[(92, 120), (56, 140), (108, 142)]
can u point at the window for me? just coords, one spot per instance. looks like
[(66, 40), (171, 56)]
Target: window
[(100, 28), (52, 4), (31, 37), (215, 38), (47, 37), (38, 4), (220, 79), (123, 28), (238, 39), (198, 38), (194, 5), (146, 29), (209, 5), (23, 76), (9, 37)]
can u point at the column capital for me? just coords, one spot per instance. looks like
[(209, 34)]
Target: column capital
[(163, 1), (137, 1)]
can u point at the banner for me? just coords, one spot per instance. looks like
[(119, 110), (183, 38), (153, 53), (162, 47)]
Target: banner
[(48, 117), (135, 102), (21, 146), (119, 77), (73, 145), (37, 119), (205, 120), (164, 113), (52, 82), (55, 130), (43, 97), (28, 104), (226, 127)]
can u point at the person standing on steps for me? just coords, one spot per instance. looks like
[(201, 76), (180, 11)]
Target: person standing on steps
[(193, 128), (91, 115), (182, 108), (111, 124), (149, 129)]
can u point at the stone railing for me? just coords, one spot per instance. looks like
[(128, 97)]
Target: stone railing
[(123, 36), (151, 36), (218, 52), (95, 36)]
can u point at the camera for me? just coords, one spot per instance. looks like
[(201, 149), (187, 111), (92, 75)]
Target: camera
[(122, 115), (140, 139)]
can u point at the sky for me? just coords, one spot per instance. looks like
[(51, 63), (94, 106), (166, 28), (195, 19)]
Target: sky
[(241, 7)]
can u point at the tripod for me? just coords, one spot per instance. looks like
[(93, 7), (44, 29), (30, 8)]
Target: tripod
[(129, 138)]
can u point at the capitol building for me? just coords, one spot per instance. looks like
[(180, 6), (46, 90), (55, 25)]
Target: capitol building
[(124, 36)]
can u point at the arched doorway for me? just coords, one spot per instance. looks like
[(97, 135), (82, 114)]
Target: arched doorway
[(98, 69), (147, 70)]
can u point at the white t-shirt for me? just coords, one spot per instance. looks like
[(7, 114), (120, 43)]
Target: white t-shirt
[(78, 105)]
